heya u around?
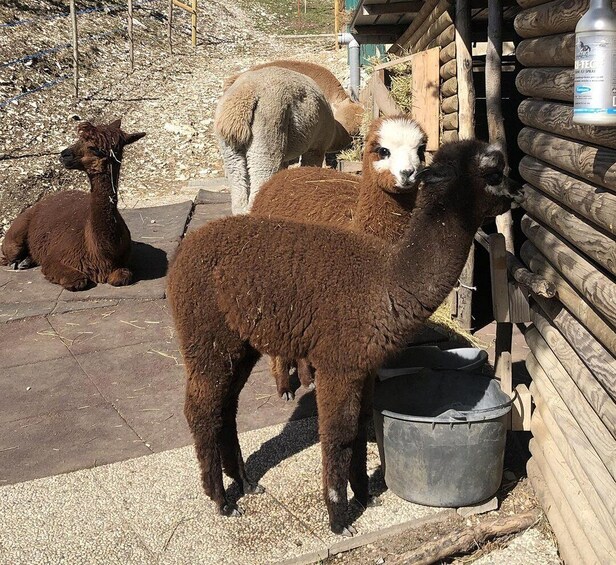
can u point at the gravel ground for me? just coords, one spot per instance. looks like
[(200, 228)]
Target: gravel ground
[(171, 97)]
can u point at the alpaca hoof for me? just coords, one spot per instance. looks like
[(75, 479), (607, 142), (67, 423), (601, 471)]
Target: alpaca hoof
[(231, 511), (23, 264), (75, 285), (120, 277), (249, 488), (346, 531), (287, 396)]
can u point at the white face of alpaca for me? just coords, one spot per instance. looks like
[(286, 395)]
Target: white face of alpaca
[(401, 150)]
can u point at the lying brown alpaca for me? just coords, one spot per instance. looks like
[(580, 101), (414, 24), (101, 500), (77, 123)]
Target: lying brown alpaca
[(345, 301), (378, 203), (75, 236)]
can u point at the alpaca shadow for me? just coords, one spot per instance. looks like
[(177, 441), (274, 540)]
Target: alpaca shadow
[(147, 262)]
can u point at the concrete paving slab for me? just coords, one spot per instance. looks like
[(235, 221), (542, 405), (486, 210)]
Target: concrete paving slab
[(65, 441), (29, 341), (128, 323), (157, 224), (205, 213), (22, 310), (75, 305), (26, 293), (43, 388), (210, 188), (65, 519)]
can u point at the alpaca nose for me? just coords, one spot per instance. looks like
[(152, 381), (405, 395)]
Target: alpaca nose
[(406, 174), (65, 154)]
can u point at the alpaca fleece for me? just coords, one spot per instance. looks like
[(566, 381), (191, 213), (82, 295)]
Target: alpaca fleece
[(77, 237), (347, 112), (345, 301), (267, 118)]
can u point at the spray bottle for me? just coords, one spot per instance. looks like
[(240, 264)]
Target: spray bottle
[(595, 66)]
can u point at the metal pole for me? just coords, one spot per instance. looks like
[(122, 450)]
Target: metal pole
[(75, 48), (130, 35)]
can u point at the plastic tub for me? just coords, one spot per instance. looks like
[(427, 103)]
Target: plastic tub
[(441, 436), (417, 358)]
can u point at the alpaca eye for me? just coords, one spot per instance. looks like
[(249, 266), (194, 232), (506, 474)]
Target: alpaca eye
[(421, 152), (98, 152), (383, 152), (494, 178)]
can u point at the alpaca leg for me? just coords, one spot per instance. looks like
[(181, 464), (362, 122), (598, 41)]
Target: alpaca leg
[(305, 372), (236, 170), (69, 278), (313, 158), (338, 404), (280, 368), (15, 244), (358, 476), (120, 277), (264, 158)]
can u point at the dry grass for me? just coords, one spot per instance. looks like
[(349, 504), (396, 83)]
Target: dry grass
[(441, 320)]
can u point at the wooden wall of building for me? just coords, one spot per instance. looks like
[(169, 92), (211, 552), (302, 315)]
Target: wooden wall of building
[(570, 223)]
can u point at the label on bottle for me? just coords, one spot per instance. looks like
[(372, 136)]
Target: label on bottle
[(595, 73)]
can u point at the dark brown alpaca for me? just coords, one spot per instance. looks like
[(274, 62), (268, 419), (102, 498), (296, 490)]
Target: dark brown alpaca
[(377, 203), (78, 237), (345, 301)]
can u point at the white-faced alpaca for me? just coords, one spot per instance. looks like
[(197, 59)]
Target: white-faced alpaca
[(347, 112), (267, 118), (75, 236), (374, 203), (345, 301)]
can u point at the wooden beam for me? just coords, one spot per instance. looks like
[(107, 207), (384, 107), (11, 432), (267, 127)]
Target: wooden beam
[(552, 82), (370, 30), (386, 104), (595, 164), (392, 8), (444, 39), (550, 51), (450, 87), (594, 244), (450, 135), (531, 3), (394, 63), (450, 104), (466, 90), (449, 69), (432, 32), (593, 284), (441, 7), (591, 202), (401, 43), (450, 121), (362, 38), (559, 16), (571, 298), (425, 94), (448, 52)]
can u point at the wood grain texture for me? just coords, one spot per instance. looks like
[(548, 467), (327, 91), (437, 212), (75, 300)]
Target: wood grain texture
[(433, 30), (594, 203), (466, 90), (425, 94), (450, 87), (548, 82), (403, 41), (449, 104), (557, 118), (599, 361), (593, 541), (450, 121), (531, 3), (449, 70), (448, 52), (450, 135), (598, 289), (445, 38), (548, 51), (594, 164), (554, 17), (561, 427), (586, 418), (566, 547), (589, 386), (575, 230), (575, 302)]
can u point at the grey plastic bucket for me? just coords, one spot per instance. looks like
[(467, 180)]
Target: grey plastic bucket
[(441, 436), (417, 358)]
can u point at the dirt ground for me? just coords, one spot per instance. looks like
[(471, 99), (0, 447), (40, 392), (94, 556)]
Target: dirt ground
[(171, 97)]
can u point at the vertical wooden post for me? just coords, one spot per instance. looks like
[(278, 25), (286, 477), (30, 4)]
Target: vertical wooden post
[(73, 14), (131, 50), (462, 297), (170, 25), (337, 22), (193, 20)]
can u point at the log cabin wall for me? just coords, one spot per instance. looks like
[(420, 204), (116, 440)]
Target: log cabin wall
[(570, 225)]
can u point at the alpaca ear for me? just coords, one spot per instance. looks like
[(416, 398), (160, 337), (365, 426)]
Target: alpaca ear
[(132, 137), (86, 130), (437, 173), (116, 124)]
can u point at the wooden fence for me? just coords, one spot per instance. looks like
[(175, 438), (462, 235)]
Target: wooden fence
[(570, 223)]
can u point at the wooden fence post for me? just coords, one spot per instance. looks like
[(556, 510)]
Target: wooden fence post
[(73, 14)]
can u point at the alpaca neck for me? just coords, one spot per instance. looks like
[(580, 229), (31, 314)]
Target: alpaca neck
[(428, 261), (382, 214), (104, 202)]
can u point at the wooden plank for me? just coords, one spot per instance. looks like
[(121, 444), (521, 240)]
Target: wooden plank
[(449, 69), (448, 52), (594, 428), (449, 104), (550, 51), (571, 298), (429, 21), (498, 277), (448, 136), (598, 246), (566, 546), (425, 94), (383, 100), (444, 38), (596, 357), (466, 90), (393, 8), (450, 87), (394, 63), (592, 539), (450, 121), (570, 362), (433, 31), (549, 82), (552, 417), (596, 204), (559, 16), (401, 43), (521, 409), (557, 118), (598, 289), (595, 164)]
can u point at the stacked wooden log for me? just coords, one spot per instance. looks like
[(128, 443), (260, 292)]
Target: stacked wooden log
[(570, 224)]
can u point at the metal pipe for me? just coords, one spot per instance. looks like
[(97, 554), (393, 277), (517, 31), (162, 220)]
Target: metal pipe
[(353, 47)]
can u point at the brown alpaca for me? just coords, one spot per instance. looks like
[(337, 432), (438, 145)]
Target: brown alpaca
[(345, 301), (348, 113), (374, 203), (78, 237)]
